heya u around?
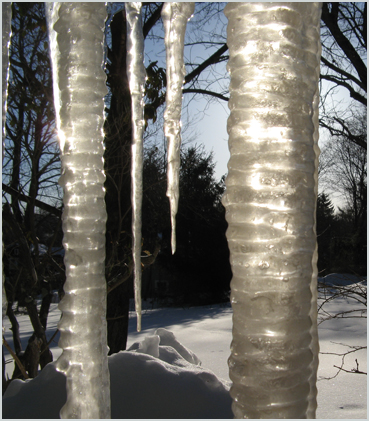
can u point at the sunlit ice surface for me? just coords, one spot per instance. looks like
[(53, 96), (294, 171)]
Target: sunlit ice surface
[(76, 40), (270, 205), (136, 75), (175, 16)]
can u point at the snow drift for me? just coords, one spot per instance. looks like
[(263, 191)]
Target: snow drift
[(156, 378)]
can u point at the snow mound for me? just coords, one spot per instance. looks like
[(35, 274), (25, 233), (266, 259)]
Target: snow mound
[(150, 346), (156, 378), (342, 279)]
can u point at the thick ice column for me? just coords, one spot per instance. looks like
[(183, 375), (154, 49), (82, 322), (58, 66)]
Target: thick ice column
[(270, 200), (175, 17), (6, 35), (136, 75), (76, 37)]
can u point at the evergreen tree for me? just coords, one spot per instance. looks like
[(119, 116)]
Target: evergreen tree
[(200, 267), (325, 230)]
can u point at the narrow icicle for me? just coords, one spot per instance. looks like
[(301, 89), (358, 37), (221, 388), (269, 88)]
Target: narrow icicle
[(136, 76), (6, 22), (312, 399), (76, 40), (175, 17)]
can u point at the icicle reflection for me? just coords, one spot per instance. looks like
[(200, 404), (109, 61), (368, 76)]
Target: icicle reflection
[(270, 207), (175, 17)]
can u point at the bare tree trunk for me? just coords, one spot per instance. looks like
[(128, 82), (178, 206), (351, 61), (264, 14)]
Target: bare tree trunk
[(5, 383), (45, 307), (46, 356), (32, 356), (118, 186), (118, 317), (14, 328)]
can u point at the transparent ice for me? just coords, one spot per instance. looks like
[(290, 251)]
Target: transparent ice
[(175, 17), (270, 199), (136, 76), (6, 35), (76, 40)]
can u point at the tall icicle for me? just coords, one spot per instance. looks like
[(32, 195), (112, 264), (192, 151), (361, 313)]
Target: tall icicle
[(6, 29), (270, 202), (76, 38), (136, 75), (312, 407), (175, 17)]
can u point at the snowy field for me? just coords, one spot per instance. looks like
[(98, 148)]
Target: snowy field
[(161, 377)]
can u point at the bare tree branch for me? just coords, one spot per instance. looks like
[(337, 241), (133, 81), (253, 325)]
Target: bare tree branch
[(154, 17), (213, 59), (330, 18), (353, 93), (344, 132), (343, 73), (42, 205), (205, 92)]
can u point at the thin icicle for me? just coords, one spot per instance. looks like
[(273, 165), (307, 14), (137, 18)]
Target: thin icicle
[(136, 76), (6, 22), (175, 17)]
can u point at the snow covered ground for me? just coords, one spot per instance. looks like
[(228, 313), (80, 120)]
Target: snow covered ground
[(161, 378)]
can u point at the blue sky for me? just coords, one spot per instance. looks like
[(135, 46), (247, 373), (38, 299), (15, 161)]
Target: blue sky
[(208, 116)]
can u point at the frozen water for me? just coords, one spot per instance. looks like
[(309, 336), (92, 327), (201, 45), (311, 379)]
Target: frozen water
[(270, 198), (76, 39), (6, 35), (136, 76), (79, 92), (175, 17)]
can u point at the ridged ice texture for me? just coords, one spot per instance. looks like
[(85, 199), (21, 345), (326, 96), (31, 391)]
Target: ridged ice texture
[(6, 30), (76, 37), (175, 17), (270, 200), (136, 75), (314, 279)]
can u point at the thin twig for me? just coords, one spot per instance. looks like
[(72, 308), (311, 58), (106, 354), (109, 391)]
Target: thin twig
[(20, 365), (353, 370)]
